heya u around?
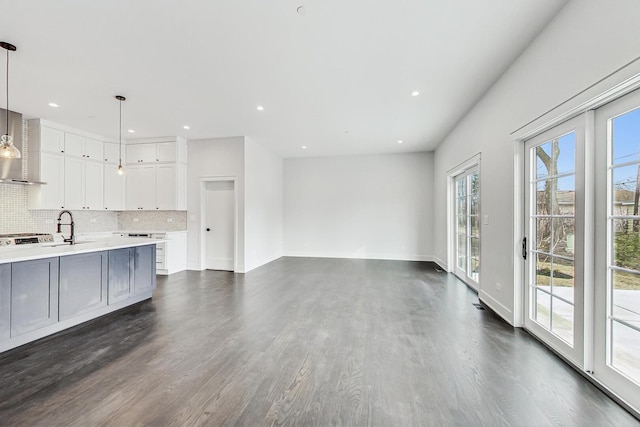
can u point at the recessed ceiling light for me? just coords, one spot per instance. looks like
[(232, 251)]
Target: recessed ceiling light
[(400, 142), (53, 104), (301, 10), (186, 127), (415, 93), (131, 131), (260, 108), (304, 147)]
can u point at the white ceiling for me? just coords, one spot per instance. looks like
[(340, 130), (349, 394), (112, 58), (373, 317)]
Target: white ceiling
[(344, 66)]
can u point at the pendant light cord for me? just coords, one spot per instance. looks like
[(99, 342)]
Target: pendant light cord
[(7, 85), (120, 135)]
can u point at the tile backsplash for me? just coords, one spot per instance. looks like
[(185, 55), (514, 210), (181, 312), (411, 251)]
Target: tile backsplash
[(15, 217), (152, 220)]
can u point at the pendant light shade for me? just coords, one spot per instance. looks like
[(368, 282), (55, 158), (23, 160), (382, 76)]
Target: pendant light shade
[(120, 98), (7, 149)]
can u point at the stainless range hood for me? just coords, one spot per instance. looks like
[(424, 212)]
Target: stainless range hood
[(11, 169)]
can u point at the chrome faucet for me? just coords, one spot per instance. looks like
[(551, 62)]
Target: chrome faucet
[(72, 238)]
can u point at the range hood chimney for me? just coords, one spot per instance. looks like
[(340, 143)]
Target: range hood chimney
[(11, 169)]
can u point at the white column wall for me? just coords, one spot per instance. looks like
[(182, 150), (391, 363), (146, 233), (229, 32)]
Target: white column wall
[(216, 157), (263, 205)]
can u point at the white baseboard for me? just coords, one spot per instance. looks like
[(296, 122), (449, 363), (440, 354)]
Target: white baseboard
[(495, 305), (391, 257), (441, 263), (262, 262)]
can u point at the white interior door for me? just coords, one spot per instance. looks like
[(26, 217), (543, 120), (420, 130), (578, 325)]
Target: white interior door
[(219, 199)]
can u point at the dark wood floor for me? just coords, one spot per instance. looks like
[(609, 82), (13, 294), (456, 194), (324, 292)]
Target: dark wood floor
[(300, 341)]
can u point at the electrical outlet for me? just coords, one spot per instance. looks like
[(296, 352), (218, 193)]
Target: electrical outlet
[(169, 219), (485, 220), (93, 220), (498, 287), (135, 219)]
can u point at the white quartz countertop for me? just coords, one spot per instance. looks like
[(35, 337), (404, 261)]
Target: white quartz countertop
[(56, 249)]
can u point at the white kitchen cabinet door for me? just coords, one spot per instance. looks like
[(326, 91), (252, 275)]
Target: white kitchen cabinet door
[(111, 153), (166, 152), (94, 185), (93, 149), (114, 188), (51, 140), (140, 187), (74, 184), (141, 153), (181, 189), (166, 180), (51, 196), (73, 145)]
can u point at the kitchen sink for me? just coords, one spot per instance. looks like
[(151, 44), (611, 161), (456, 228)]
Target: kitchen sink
[(55, 245)]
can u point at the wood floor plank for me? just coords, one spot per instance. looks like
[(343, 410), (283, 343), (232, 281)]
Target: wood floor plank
[(300, 341)]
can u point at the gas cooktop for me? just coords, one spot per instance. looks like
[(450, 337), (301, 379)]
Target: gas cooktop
[(14, 239)]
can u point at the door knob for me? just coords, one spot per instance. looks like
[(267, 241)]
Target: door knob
[(208, 229)]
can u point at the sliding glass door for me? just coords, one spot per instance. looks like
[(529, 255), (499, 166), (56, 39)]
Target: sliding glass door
[(467, 226)]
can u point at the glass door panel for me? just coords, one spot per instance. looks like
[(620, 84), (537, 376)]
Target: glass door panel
[(467, 230), (552, 219), (617, 243), (553, 301)]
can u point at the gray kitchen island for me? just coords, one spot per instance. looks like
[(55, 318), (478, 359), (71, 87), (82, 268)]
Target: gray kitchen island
[(52, 287)]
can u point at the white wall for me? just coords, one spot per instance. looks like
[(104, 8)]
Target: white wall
[(586, 41), (263, 205), (213, 158), (359, 207)]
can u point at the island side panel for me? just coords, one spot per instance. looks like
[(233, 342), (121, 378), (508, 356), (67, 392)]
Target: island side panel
[(34, 295), (5, 301), (83, 283)]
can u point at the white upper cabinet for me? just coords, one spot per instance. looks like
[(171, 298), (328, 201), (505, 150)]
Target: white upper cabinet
[(156, 174), (93, 149), (141, 187), (112, 153), (141, 153), (157, 150), (166, 194), (51, 140), (81, 171), (50, 169), (73, 145), (94, 185), (82, 147), (114, 188)]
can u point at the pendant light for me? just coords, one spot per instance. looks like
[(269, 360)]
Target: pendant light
[(120, 168), (7, 149)]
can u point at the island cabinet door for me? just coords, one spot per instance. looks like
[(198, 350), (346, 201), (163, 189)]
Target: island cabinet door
[(83, 283), (34, 295), (144, 268), (5, 301), (120, 274)]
